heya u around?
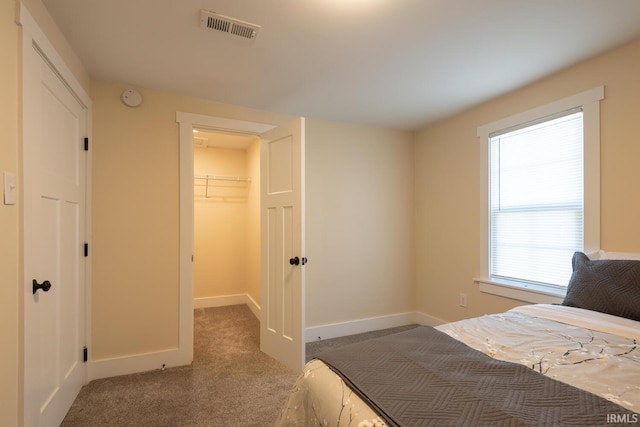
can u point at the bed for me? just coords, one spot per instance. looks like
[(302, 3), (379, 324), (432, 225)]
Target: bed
[(577, 363)]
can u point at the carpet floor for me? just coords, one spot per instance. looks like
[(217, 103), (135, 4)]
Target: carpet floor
[(230, 382)]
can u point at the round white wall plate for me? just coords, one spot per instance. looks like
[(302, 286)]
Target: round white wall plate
[(131, 97)]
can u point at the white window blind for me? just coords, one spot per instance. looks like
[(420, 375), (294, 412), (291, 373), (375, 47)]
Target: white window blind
[(536, 202)]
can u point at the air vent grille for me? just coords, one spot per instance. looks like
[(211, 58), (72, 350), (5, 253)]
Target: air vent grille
[(214, 21), (218, 24)]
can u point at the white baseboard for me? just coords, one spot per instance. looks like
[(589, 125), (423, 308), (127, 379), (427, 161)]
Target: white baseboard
[(225, 300), (126, 365), (253, 306), (427, 320), (335, 330), (220, 301), (170, 358)]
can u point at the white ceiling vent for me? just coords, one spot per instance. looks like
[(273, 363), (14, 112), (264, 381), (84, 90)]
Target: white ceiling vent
[(214, 21)]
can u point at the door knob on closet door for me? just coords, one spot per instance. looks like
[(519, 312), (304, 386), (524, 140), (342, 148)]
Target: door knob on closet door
[(294, 261), (45, 286)]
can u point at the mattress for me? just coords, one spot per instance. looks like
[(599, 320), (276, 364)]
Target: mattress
[(592, 351)]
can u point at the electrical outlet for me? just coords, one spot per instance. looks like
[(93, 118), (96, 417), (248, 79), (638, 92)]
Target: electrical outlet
[(463, 300)]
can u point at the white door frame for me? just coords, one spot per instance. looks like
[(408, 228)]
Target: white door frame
[(34, 38), (187, 121)]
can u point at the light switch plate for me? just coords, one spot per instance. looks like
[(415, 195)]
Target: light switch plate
[(9, 188)]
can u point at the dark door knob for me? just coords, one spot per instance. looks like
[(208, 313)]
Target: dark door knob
[(294, 261), (45, 286)]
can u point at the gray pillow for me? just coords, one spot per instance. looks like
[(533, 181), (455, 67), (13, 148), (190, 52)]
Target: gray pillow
[(608, 286)]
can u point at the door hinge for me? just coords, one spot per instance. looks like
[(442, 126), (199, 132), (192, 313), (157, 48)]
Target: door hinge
[(86, 144), (85, 354), (86, 249)]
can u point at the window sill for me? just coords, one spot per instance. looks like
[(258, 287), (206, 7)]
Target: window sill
[(530, 293)]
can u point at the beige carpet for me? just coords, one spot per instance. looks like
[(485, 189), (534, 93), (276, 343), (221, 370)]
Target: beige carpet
[(230, 383)]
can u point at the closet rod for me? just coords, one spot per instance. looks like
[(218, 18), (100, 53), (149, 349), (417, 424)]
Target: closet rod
[(223, 178)]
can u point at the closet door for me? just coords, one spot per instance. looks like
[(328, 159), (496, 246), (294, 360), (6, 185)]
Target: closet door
[(282, 237), (54, 233)]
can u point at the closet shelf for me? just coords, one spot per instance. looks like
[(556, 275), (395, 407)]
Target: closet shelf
[(221, 187), (223, 178)]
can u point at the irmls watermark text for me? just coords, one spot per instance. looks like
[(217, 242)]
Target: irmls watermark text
[(626, 418)]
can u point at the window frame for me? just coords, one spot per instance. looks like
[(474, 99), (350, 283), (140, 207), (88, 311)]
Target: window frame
[(589, 102)]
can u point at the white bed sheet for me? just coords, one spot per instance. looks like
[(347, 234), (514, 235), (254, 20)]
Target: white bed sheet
[(589, 350), (593, 351)]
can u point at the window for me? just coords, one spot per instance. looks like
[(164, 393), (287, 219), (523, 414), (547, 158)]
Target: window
[(535, 200), (541, 189)]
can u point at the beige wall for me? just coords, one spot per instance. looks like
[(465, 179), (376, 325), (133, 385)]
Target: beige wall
[(447, 168), (359, 222), (135, 226), (10, 257), (135, 216), (222, 224)]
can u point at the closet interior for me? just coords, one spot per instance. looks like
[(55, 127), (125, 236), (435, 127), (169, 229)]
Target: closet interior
[(226, 218)]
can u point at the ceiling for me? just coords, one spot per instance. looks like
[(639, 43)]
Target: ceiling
[(205, 138), (394, 63)]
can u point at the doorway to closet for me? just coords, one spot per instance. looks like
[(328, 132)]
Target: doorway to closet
[(282, 222), (226, 212)]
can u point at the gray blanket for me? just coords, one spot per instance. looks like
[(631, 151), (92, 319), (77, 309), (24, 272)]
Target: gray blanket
[(423, 377)]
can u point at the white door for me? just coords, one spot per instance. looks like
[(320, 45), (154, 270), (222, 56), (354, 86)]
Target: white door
[(282, 237), (54, 233)]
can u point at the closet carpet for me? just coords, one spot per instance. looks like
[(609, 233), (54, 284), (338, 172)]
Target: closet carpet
[(230, 382)]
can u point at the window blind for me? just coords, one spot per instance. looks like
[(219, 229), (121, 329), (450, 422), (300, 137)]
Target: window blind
[(536, 202)]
